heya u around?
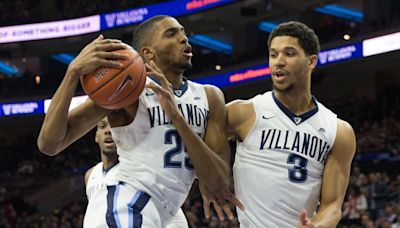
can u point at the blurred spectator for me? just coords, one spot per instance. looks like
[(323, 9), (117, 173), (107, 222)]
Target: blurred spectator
[(354, 207)]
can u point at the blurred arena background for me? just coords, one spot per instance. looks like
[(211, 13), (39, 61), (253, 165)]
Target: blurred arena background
[(358, 78)]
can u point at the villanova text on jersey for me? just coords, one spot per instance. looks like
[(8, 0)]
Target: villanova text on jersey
[(194, 115), (295, 142)]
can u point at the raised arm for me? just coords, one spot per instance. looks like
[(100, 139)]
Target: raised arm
[(336, 177), (60, 128)]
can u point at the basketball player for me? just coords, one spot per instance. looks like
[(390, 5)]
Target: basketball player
[(293, 153), (96, 179), (175, 130)]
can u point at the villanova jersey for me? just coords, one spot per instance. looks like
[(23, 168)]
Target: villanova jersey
[(279, 165), (96, 192), (152, 156)]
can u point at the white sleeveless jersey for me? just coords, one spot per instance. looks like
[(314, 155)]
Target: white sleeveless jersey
[(152, 155), (279, 165), (96, 192)]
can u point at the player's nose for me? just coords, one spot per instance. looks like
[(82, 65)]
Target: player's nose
[(183, 39), (280, 61)]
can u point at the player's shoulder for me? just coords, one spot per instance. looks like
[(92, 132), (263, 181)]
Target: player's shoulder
[(238, 104), (345, 142), (94, 168), (212, 89), (239, 110), (344, 127), (215, 96), (245, 104), (88, 173)]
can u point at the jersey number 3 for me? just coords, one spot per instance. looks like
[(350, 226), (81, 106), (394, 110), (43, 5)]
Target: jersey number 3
[(298, 173), (169, 161)]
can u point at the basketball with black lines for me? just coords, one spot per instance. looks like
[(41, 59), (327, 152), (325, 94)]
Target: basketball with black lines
[(116, 88)]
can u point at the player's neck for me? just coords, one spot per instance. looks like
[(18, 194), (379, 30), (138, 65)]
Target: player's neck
[(297, 102), (175, 78), (109, 160)]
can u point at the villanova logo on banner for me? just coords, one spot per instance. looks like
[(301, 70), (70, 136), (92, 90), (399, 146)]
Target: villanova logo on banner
[(297, 120), (323, 57), (7, 109), (110, 20)]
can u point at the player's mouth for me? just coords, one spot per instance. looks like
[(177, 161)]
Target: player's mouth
[(279, 75), (187, 51), (109, 142)]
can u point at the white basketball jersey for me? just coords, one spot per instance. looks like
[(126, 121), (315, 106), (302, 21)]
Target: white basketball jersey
[(152, 155), (279, 165), (96, 192)]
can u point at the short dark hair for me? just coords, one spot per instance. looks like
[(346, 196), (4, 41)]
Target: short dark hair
[(140, 35), (306, 37)]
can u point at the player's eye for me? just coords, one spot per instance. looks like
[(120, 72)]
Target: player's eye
[(290, 53), (170, 34)]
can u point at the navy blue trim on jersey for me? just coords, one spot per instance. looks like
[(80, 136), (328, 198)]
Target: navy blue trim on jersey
[(179, 91), (110, 219), (295, 118), (136, 205), (105, 171)]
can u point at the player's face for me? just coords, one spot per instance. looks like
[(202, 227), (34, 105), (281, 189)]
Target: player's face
[(104, 138), (171, 44), (290, 66)]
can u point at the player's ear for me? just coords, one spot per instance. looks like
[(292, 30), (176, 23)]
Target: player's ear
[(148, 53), (313, 61), (96, 138)]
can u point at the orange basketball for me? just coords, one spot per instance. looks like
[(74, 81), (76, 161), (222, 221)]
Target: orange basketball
[(115, 88)]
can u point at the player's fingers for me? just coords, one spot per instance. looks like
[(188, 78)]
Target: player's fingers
[(219, 211), (228, 212), (104, 41), (156, 88), (111, 55), (206, 209), (109, 46), (100, 37), (106, 63), (150, 70), (303, 217), (232, 198), (154, 65), (153, 73), (159, 76)]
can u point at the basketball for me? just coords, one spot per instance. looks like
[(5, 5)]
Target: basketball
[(116, 88)]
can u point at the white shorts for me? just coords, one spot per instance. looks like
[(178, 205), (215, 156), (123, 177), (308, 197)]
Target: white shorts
[(177, 221), (127, 207), (124, 206)]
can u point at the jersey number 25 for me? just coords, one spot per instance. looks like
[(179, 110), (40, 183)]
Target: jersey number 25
[(169, 160)]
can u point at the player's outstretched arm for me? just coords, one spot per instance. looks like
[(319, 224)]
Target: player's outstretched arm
[(60, 128), (336, 177)]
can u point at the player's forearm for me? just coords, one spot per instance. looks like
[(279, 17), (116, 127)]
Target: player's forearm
[(209, 166), (54, 128), (327, 217)]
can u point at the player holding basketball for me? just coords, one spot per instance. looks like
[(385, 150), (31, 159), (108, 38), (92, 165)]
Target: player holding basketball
[(293, 153), (159, 137), (96, 180)]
